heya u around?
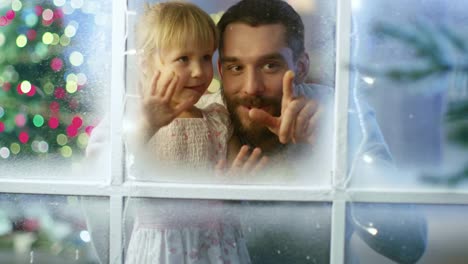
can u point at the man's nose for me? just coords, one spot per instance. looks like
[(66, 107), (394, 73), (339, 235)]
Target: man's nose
[(253, 82)]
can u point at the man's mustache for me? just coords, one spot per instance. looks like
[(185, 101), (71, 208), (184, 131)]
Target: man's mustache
[(256, 101)]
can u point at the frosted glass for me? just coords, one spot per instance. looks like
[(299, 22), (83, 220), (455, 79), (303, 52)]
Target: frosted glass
[(55, 66), (53, 229), (272, 232), (397, 51)]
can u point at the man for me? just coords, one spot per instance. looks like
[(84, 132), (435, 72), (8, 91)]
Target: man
[(263, 64)]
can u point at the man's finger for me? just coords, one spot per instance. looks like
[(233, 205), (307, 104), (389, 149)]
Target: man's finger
[(288, 87), (263, 117), (303, 119), (288, 120)]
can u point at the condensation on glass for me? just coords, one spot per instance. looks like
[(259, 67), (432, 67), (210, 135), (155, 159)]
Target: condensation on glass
[(319, 19), (53, 229), (408, 63), (440, 239), (264, 232), (55, 66)]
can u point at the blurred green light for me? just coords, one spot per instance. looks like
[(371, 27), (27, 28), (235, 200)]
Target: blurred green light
[(15, 148), (47, 38), (71, 87), (31, 20), (64, 40), (66, 151), (16, 5), (21, 41), (55, 39), (49, 88), (38, 120), (41, 50), (83, 140), (62, 139)]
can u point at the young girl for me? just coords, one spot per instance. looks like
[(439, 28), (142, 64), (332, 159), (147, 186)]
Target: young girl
[(177, 41)]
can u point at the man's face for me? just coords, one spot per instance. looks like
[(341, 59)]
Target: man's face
[(253, 62)]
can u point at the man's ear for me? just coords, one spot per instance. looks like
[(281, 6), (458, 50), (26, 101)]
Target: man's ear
[(302, 68), (220, 68)]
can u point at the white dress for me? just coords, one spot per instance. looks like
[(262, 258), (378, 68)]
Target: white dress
[(175, 231)]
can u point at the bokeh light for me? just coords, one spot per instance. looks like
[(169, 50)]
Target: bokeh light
[(77, 121), (15, 148), (56, 64), (55, 39), (2, 112), (20, 120), (43, 147), (66, 151), (25, 86), (16, 5), (62, 139), (64, 40), (83, 140), (76, 58), (2, 127), (53, 122), (48, 88), (21, 40), (10, 14), (59, 93), (47, 14), (47, 38), (23, 137), (59, 3), (72, 131), (54, 107), (81, 79), (70, 31), (38, 121), (4, 152), (31, 20)]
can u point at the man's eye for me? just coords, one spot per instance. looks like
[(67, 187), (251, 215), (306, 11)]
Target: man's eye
[(234, 68), (271, 67)]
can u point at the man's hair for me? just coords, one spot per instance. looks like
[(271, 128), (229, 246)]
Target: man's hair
[(171, 24), (266, 12)]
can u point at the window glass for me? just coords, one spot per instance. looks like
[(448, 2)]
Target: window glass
[(236, 231), (54, 84), (408, 64), (52, 229), (386, 233), (313, 167)]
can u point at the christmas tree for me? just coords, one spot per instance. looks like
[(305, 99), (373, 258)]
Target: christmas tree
[(42, 89)]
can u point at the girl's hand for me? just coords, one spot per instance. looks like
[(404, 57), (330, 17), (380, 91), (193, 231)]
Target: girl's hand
[(245, 163), (158, 107)]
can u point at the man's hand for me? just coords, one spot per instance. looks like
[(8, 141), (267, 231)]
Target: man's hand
[(299, 115), (158, 107)]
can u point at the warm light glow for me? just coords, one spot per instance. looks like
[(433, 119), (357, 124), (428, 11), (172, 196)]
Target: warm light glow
[(70, 31), (47, 38), (25, 86), (76, 58), (21, 41)]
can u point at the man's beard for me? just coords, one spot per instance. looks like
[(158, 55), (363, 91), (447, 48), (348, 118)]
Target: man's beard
[(251, 133)]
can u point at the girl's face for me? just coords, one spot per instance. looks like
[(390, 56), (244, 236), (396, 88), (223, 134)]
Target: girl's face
[(192, 64)]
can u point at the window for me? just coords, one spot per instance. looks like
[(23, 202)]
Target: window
[(69, 66)]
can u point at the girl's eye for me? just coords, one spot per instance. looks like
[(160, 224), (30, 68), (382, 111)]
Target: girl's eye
[(207, 57), (183, 59)]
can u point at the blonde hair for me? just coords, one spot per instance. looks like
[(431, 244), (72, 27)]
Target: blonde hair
[(170, 24)]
